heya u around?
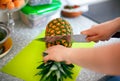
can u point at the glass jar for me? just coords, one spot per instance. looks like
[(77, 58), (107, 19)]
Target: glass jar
[(4, 34)]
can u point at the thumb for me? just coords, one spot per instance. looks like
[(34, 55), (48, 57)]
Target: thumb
[(46, 58)]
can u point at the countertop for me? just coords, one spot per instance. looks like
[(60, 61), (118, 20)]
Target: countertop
[(23, 35)]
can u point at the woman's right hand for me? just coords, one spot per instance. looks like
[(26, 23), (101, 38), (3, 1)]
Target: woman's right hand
[(102, 31)]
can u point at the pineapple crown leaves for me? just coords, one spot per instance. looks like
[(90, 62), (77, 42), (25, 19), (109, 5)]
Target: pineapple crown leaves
[(54, 71)]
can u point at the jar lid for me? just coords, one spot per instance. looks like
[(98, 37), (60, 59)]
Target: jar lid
[(41, 9)]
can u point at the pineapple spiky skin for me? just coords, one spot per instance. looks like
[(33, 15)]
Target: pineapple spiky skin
[(58, 27), (56, 71)]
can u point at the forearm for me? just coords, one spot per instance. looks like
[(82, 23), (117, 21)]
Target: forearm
[(103, 59), (116, 23)]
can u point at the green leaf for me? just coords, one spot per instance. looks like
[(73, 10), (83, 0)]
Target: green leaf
[(41, 66), (54, 67), (48, 74), (58, 75), (63, 73), (67, 71), (71, 65)]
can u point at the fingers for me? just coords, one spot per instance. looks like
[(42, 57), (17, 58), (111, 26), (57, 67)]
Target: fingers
[(47, 58), (68, 62), (93, 38), (91, 35), (88, 32), (47, 54), (55, 53)]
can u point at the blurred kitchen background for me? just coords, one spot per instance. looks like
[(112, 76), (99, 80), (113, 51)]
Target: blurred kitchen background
[(32, 19), (97, 10)]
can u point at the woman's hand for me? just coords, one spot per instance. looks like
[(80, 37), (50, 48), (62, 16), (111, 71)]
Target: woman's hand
[(102, 31), (57, 53)]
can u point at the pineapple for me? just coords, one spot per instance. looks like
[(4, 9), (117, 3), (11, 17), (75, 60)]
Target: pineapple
[(57, 71), (58, 27)]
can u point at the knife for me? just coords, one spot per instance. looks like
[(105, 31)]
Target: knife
[(75, 38)]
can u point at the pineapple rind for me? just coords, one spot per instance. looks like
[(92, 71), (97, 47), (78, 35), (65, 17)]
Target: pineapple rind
[(58, 27)]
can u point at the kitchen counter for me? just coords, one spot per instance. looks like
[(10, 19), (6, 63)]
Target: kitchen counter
[(23, 35)]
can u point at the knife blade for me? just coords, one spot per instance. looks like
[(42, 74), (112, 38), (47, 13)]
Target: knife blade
[(75, 38)]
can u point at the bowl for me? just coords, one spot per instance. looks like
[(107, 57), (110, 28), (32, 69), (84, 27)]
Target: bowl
[(4, 34), (71, 14), (7, 45), (73, 10), (12, 5)]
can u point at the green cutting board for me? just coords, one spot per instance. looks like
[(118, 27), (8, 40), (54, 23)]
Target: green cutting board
[(24, 64)]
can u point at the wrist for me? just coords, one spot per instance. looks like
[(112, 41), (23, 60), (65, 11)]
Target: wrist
[(66, 57)]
